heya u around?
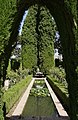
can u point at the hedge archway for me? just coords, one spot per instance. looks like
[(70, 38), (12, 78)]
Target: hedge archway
[(65, 24)]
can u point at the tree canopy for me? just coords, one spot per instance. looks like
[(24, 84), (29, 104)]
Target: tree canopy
[(38, 39)]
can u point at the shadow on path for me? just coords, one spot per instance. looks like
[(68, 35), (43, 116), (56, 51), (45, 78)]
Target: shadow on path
[(36, 118)]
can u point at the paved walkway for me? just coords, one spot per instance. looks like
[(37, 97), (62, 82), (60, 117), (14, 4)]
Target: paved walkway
[(18, 111)]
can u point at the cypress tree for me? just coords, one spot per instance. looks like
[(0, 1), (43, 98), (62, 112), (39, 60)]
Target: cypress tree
[(46, 30), (29, 40), (38, 39), (7, 12)]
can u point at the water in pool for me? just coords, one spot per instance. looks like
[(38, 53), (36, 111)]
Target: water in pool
[(39, 102)]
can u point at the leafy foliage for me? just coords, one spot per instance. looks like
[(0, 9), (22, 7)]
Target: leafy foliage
[(7, 12), (46, 34), (16, 76), (60, 75), (13, 94), (38, 39), (28, 38), (72, 6), (13, 77), (59, 84), (61, 91)]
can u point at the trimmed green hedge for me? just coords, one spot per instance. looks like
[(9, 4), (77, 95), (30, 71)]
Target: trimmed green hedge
[(61, 92), (13, 94)]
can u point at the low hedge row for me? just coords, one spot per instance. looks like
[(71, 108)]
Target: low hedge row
[(13, 93), (60, 91)]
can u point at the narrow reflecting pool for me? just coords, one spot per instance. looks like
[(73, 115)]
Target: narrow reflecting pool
[(39, 102)]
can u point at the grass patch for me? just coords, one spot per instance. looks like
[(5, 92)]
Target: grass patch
[(13, 93)]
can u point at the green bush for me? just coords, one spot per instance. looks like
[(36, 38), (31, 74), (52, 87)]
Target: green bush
[(15, 77), (24, 73), (13, 94), (60, 91), (59, 74), (1, 105)]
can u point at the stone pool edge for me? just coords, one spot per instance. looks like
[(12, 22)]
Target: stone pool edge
[(19, 109)]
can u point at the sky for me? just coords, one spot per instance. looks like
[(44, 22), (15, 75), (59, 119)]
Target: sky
[(57, 35), (24, 17)]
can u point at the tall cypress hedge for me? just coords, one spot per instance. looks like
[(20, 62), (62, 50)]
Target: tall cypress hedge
[(7, 14), (29, 40), (38, 39), (46, 30)]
